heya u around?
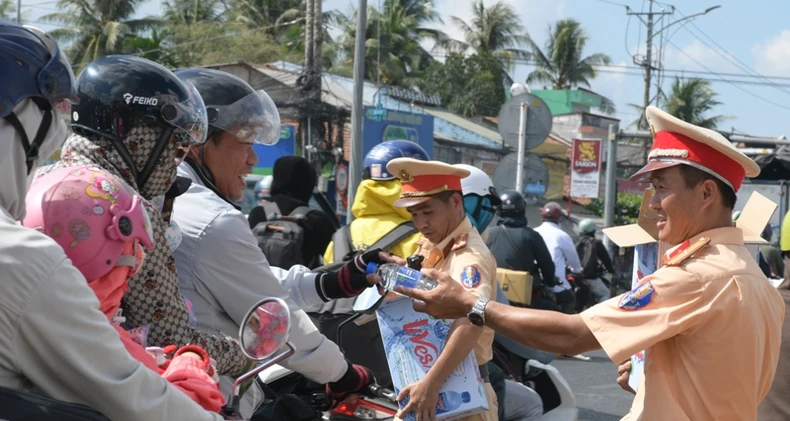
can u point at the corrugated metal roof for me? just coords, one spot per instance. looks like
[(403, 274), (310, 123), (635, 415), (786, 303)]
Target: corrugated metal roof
[(331, 92), (338, 91), (464, 123)]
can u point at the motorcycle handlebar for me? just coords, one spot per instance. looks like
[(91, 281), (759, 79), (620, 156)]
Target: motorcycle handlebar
[(381, 392)]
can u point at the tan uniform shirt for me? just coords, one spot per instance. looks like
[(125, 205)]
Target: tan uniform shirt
[(465, 257), (711, 326)]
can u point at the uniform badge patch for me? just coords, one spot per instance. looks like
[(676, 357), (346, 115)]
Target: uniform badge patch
[(638, 298), (470, 277)]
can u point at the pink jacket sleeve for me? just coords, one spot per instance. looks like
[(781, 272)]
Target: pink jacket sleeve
[(189, 375)]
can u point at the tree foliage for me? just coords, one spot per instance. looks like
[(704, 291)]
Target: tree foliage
[(562, 64), (691, 100), (626, 209), (470, 86)]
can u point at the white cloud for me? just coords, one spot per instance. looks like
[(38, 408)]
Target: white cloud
[(695, 55), (772, 57)]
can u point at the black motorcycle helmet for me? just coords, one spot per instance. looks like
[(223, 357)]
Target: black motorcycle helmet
[(233, 106), (513, 204), (118, 93)]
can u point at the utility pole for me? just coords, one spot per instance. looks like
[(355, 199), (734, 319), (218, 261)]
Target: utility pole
[(318, 41), (610, 195), (309, 37), (19, 12), (647, 63), (357, 108)]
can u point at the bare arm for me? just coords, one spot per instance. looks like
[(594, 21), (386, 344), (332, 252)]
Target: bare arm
[(548, 331), (463, 337), (543, 330)]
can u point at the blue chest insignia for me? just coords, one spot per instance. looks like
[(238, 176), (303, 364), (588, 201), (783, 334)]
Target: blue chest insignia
[(638, 298)]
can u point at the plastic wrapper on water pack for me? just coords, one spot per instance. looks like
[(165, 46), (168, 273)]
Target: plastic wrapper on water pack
[(413, 342)]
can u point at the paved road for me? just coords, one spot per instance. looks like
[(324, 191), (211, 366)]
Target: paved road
[(598, 397)]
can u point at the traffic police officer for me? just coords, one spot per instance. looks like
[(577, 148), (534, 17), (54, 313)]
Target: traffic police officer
[(709, 319), (432, 193)]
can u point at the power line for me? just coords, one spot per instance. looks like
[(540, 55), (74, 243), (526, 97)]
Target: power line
[(740, 64), (613, 3), (623, 69), (735, 85)]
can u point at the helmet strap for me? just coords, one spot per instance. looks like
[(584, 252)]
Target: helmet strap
[(126, 157), (153, 158), (31, 149)]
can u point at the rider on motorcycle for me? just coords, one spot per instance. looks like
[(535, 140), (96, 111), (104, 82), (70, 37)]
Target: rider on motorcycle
[(108, 259), (374, 215), (135, 120), (55, 339), (480, 198), (223, 272)]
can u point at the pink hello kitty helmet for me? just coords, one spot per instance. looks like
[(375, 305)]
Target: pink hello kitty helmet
[(92, 214)]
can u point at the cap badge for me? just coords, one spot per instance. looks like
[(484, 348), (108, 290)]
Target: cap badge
[(405, 176), (652, 131)]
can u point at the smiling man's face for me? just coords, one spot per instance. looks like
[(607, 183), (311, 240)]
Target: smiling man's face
[(679, 208), (229, 160)]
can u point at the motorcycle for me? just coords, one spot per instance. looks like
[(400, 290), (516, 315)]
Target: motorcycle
[(263, 336), (376, 403)]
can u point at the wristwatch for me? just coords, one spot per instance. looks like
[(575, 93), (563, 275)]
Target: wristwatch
[(478, 314)]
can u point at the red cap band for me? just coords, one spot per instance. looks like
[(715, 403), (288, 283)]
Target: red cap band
[(429, 185), (698, 153)]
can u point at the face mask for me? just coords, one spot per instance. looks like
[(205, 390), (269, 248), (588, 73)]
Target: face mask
[(480, 211)]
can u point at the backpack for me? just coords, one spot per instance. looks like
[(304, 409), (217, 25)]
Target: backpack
[(18, 405), (281, 238), (585, 247), (343, 249)]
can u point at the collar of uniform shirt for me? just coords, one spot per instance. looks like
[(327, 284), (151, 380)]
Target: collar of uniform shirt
[(463, 228), (723, 235)]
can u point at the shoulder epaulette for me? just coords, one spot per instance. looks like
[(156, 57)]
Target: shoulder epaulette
[(685, 251), (460, 242)]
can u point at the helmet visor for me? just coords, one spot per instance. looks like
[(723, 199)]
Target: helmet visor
[(188, 116), (252, 119), (56, 78)]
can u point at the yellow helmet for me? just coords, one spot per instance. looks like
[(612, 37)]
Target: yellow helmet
[(784, 242)]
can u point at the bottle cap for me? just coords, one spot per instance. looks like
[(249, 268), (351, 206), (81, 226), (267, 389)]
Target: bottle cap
[(372, 268), (465, 397)]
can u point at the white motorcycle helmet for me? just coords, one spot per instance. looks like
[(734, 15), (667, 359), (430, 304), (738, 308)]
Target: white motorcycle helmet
[(480, 197)]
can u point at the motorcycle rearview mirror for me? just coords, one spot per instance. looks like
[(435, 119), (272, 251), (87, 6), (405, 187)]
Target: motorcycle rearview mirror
[(263, 336), (369, 301), (366, 304)]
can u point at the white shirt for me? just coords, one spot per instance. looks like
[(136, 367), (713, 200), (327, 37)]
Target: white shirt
[(562, 250), (223, 273)]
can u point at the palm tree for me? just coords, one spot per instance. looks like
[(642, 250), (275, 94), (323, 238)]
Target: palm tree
[(153, 47), (495, 31), (561, 64), (393, 52), (95, 28), (6, 9), (191, 11), (267, 13), (691, 99)]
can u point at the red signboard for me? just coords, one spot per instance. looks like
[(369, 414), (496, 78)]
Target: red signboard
[(586, 168)]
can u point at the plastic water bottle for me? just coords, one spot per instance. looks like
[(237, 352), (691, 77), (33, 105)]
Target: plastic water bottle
[(393, 275), (451, 400)]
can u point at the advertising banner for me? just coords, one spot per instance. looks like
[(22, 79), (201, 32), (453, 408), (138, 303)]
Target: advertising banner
[(586, 168)]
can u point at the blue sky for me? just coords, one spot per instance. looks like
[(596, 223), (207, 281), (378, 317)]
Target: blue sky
[(754, 32)]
